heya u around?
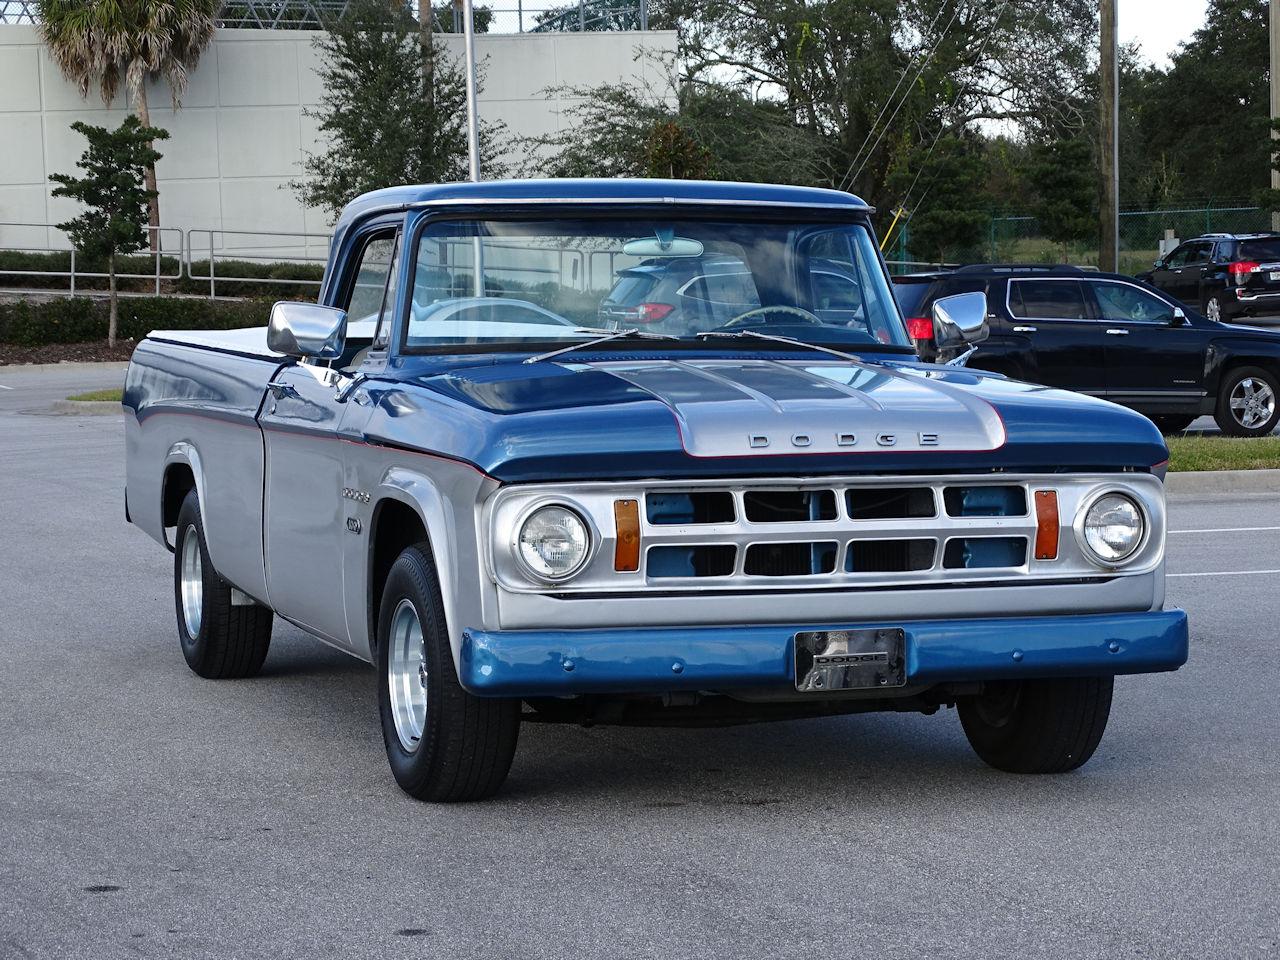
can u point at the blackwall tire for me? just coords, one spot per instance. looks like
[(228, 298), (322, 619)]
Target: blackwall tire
[(1248, 403), (1038, 726), (443, 744), (220, 640)]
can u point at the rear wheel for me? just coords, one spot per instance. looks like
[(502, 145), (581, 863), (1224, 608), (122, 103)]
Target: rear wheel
[(220, 640), (1213, 308), (1247, 403), (1038, 726), (443, 744)]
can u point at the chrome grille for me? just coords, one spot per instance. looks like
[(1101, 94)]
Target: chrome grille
[(853, 533)]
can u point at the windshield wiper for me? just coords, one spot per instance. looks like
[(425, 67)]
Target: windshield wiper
[(756, 335), (608, 335)]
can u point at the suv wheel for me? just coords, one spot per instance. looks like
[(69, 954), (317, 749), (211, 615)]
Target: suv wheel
[(1213, 309), (1248, 403)]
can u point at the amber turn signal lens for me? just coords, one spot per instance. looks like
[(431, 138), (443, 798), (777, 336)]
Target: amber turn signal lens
[(1046, 524), (626, 551)]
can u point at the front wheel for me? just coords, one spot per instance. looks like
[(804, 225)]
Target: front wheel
[(220, 639), (1037, 726), (1247, 403), (443, 744)]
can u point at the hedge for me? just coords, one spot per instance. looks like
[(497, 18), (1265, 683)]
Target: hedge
[(60, 261), (81, 319)]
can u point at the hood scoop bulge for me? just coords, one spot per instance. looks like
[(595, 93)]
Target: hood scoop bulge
[(734, 408)]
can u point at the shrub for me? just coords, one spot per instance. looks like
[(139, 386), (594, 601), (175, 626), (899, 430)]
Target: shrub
[(81, 319)]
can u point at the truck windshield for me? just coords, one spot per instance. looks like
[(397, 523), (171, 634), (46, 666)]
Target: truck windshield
[(551, 280)]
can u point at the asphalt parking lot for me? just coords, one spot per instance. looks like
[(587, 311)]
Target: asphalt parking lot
[(147, 812)]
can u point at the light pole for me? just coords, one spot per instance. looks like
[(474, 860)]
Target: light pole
[(1109, 95)]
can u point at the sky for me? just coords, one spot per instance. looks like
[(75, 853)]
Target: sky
[(1159, 25)]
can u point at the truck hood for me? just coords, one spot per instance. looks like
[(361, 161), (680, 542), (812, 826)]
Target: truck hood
[(716, 416)]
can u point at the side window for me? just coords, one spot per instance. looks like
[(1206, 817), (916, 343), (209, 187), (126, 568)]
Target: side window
[(1047, 300), (1121, 302), (365, 293), (1179, 257), (734, 289), (1200, 252)]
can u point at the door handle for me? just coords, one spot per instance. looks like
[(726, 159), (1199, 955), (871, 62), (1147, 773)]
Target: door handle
[(281, 390), (1116, 332), (1024, 329)]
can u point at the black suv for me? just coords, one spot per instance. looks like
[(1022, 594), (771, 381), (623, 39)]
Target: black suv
[(1226, 276), (1110, 336)]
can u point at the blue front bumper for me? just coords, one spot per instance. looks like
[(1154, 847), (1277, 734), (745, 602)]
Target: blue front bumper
[(532, 663)]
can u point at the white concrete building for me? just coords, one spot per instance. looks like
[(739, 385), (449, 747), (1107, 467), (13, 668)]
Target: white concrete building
[(241, 132)]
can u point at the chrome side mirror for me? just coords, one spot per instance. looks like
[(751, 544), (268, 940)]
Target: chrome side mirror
[(307, 330), (960, 320)]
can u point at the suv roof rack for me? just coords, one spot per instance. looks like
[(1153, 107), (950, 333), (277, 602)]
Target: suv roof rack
[(1018, 268)]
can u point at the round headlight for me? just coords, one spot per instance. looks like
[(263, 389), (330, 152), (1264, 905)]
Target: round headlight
[(553, 543), (1113, 528)]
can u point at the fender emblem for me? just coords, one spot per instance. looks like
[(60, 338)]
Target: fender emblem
[(359, 496), (353, 524)]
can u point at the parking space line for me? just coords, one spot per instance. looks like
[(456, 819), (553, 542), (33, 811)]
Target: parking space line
[(1224, 573), (1226, 530)]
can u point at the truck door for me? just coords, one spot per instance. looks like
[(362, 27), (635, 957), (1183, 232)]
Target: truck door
[(1067, 344), (304, 423)]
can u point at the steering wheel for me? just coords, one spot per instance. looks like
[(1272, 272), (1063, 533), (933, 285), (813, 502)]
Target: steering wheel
[(746, 319)]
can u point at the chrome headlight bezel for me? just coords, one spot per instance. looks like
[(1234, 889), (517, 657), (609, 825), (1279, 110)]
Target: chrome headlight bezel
[(1082, 517), (589, 532)]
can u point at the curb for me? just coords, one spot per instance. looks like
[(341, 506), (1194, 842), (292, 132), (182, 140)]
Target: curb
[(1195, 483), (88, 408), (120, 365)]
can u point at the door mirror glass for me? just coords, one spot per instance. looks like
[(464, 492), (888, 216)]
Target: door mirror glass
[(307, 330), (1158, 265), (960, 319), (1178, 319)]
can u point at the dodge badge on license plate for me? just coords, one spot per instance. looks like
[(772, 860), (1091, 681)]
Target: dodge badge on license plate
[(850, 659)]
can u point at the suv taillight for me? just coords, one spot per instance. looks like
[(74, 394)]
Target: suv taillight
[(919, 328), (1242, 269), (651, 312)]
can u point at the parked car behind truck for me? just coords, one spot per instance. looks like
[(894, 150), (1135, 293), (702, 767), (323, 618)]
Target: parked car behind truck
[(1111, 336), (516, 516)]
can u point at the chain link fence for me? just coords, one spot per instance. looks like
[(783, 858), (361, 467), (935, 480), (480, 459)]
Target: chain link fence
[(1019, 239)]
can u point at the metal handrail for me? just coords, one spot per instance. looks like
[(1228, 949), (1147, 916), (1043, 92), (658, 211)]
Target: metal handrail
[(72, 274), (213, 251)]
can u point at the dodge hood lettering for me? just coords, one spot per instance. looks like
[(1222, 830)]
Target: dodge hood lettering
[(823, 407)]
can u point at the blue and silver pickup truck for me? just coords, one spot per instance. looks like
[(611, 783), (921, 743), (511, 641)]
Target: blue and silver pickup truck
[(646, 452)]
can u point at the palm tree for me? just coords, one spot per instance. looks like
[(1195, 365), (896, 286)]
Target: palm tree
[(107, 43)]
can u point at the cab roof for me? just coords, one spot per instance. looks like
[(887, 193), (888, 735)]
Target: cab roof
[(620, 191)]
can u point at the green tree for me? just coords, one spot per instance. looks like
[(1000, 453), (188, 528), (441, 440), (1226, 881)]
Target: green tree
[(949, 220), (110, 43), (113, 194), (724, 134), (394, 110), (1064, 174)]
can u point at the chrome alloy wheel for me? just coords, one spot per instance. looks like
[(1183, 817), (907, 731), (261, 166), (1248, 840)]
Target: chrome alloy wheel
[(407, 675), (1213, 309), (1252, 402), (192, 582)]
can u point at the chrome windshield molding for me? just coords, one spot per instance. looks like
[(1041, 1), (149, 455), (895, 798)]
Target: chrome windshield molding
[(505, 509)]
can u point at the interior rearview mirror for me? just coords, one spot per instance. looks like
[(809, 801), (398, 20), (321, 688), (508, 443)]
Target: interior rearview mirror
[(960, 319), (307, 330)]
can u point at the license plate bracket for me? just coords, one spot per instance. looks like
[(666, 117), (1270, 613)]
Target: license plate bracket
[(1274, 275), (862, 659)]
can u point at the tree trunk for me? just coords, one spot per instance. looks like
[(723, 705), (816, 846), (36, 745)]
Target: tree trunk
[(113, 313), (149, 177)]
